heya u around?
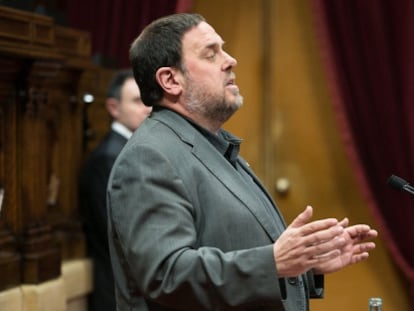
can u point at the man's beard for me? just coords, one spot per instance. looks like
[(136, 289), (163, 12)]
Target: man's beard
[(210, 106)]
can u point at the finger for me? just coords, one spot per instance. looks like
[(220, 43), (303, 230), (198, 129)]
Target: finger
[(344, 222), (371, 234), (324, 236), (320, 225), (321, 258), (325, 247), (302, 218), (363, 247), (362, 231), (359, 257), (327, 256)]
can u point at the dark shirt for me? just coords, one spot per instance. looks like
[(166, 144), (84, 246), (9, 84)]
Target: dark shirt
[(229, 146)]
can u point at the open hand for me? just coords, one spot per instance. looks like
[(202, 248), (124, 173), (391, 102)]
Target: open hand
[(325, 245), (304, 245), (355, 249)]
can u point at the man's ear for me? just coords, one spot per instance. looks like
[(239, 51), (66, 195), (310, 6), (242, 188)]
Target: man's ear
[(170, 80), (111, 105)]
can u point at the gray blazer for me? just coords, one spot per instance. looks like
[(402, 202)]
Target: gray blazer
[(185, 230)]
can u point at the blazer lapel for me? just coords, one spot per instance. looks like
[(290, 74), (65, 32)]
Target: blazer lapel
[(231, 179), (263, 188), (226, 174)]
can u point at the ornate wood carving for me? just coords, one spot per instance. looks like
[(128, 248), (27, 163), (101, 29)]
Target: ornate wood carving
[(40, 145), (10, 224), (41, 255), (9, 260)]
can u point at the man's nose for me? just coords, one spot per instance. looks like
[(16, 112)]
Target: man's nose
[(230, 61)]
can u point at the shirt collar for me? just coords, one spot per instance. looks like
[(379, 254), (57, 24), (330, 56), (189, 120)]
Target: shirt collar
[(121, 129), (225, 142)]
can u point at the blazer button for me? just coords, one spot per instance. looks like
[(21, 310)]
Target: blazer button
[(292, 281)]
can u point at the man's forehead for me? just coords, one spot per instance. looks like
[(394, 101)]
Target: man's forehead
[(201, 36)]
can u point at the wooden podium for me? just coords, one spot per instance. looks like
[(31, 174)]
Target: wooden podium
[(43, 76)]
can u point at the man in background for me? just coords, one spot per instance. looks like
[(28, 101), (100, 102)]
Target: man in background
[(127, 111)]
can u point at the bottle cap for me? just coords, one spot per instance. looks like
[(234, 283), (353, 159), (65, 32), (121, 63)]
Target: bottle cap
[(375, 301)]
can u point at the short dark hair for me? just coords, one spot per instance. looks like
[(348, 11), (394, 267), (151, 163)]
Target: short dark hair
[(118, 80), (159, 45)]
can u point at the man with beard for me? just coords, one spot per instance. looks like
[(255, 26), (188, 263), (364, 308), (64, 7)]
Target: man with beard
[(190, 225)]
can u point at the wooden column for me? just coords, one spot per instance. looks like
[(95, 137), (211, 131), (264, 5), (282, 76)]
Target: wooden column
[(40, 145), (9, 216), (67, 95), (40, 251)]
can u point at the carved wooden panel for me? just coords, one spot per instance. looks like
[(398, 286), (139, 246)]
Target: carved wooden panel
[(64, 126), (40, 252), (10, 224), (40, 145), (24, 34)]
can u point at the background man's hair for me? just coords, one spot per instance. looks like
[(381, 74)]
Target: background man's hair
[(118, 80)]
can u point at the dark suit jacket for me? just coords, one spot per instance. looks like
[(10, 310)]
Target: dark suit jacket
[(186, 231), (93, 183)]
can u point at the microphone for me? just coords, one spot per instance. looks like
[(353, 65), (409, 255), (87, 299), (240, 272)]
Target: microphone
[(400, 184)]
